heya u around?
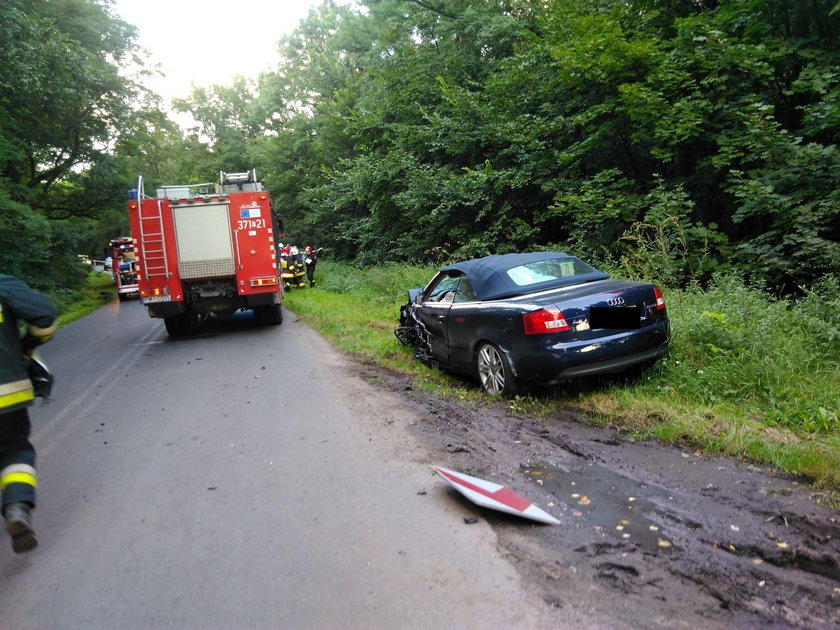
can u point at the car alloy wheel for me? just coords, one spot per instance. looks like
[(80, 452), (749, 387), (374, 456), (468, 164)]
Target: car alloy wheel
[(494, 371)]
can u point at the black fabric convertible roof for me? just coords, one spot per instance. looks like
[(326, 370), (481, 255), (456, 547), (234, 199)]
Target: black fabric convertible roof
[(491, 281)]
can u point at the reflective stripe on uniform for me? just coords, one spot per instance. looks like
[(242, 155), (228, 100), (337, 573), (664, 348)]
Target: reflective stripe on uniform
[(16, 392), (18, 473)]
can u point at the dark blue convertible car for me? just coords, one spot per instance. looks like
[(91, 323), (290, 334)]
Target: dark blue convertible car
[(533, 319)]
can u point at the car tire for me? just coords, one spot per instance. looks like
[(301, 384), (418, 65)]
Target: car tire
[(494, 371)]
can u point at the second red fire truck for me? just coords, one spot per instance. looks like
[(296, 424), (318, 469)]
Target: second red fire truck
[(121, 252), (205, 249)]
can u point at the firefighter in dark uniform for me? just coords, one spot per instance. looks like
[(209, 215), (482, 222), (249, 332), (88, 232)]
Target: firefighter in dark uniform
[(311, 260), (18, 302)]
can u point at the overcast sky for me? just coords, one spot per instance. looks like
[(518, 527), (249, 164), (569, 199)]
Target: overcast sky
[(209, 41)]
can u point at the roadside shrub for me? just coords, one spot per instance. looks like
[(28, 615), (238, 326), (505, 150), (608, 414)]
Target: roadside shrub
[(818, 314), (25, 243), (667, 247), (37, 250), (387, 282), (779, 358)]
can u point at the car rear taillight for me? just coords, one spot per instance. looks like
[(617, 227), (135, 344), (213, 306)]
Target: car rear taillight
[(660, 301), (547, 320)]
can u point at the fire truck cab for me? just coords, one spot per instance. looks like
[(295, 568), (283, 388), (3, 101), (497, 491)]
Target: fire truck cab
[(206, 249)]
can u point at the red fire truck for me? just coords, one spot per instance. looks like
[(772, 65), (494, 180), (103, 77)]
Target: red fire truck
[(206, 249), (121, 251)]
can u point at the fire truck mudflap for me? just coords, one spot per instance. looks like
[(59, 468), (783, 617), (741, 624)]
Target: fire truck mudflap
[(205, 249)]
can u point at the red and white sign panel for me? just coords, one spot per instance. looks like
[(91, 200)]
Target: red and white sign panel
[(492, 495)]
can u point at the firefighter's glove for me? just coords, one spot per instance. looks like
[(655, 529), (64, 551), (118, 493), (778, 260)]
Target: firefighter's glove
[(30, 341)]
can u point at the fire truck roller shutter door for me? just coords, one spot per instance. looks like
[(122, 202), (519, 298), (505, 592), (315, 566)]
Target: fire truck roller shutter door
[(204, 241)]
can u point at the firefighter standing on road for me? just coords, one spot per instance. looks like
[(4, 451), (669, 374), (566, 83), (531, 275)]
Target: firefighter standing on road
[(17, 455)]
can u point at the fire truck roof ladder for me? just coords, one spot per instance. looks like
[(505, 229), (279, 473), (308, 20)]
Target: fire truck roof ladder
[(141, 194), (239, 182), (154, 240), (238, 178)]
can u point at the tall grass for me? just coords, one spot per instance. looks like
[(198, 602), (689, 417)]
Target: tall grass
[(355, 308), (747, 374), (778, 359), (73, 304)]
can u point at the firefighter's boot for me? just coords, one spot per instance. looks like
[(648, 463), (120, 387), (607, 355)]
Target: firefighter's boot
[(19, 526)]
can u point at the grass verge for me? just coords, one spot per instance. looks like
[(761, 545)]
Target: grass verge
[(747, 375), (75, 304)]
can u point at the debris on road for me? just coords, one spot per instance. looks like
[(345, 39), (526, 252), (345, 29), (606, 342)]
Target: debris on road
[(492, 495)]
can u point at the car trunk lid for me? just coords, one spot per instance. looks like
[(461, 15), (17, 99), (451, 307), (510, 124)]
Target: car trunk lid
[(602, 308)]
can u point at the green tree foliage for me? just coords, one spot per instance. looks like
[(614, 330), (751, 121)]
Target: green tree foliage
[(63, 103), (228, 122), (672, 138), (155, 148), (63, 99), (418, 129)]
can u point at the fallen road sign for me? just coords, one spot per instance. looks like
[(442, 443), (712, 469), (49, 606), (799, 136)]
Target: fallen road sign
[(492, 495)]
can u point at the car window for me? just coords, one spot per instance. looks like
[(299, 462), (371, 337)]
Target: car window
[(545, 270), (465, 291), (443, 289)]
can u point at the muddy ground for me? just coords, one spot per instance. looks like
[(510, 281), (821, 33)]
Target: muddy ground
[(689, 540)]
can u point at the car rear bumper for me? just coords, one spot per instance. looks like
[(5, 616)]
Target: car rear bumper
[(613, 365), (561, 361)]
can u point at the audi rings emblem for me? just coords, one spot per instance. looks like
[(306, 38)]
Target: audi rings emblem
[(616, 301)]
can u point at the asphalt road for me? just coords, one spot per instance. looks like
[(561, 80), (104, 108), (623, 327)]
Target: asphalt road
[(241, 478)]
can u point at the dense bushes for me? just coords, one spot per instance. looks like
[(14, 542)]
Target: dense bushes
[(38, 251), (777, 359)]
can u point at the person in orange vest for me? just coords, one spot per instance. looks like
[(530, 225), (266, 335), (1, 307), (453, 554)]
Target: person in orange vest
[(18, 302)]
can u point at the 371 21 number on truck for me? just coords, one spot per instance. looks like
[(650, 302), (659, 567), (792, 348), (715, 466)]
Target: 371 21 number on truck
[(206, 249)]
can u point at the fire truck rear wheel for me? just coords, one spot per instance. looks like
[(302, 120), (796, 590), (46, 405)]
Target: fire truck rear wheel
[(190, 321), (276, 317), (268, 315), (173, 325)]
